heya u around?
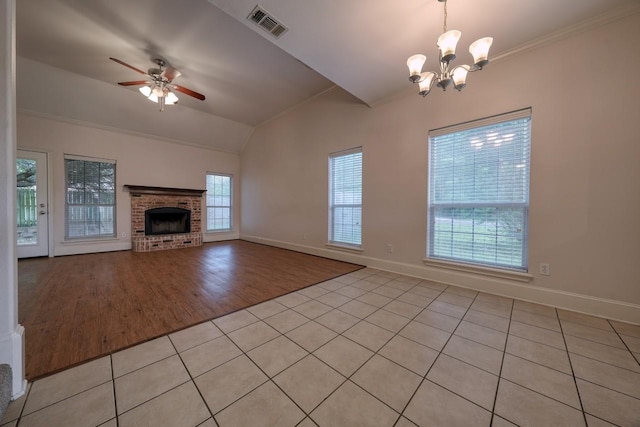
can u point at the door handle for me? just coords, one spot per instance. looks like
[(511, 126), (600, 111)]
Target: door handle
[(42, 212)]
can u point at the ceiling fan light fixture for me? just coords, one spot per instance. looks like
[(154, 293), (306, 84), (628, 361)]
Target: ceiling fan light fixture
[(148, 93), (170, 98), (158, 91), (158, 87)]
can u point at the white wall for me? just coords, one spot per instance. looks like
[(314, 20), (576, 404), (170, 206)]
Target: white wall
[(139, 161), (585, 202)]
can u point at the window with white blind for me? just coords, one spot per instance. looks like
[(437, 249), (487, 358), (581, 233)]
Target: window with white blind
[(345, 197), (479, 191), (219, 202), (90, 198)]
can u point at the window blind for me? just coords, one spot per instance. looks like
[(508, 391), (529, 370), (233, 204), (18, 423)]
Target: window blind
[(90, 202), (219, 202), (345, 198), (479, 191)]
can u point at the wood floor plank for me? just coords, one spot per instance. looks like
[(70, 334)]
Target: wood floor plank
[(76, 308)]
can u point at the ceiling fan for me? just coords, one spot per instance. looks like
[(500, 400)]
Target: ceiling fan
[(159, 87)]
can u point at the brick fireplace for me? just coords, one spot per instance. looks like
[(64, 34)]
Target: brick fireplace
[(146, 199)]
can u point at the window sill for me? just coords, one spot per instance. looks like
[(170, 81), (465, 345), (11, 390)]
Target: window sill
[(476, 269), (344, 248)]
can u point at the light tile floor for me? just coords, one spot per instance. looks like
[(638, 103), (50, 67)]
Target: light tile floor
[(370, 348)]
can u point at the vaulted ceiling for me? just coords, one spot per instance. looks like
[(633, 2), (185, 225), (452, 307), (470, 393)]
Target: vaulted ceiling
[(247, 75)]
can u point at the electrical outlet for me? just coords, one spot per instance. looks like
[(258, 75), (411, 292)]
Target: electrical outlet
[(545, 270), (304, 236), (124, 234), (389, 248)]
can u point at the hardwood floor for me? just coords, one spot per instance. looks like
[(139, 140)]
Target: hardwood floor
[(77, 308)]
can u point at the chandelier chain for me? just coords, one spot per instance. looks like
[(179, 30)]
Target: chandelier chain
[(445, 17)]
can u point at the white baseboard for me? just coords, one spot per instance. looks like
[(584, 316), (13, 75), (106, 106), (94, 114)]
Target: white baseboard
[(610, 309), (208, 237), (89, 247), (12, 352)]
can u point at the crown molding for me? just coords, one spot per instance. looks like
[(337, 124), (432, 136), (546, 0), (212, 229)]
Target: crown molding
[(118, 130), (566, 32)]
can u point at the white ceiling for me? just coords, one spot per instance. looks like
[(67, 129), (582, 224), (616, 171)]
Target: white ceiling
[(247, 76)]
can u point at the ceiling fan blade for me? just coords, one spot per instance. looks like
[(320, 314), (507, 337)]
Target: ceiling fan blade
[(128, 66), (134, 83), (170, 73), (189, 92)]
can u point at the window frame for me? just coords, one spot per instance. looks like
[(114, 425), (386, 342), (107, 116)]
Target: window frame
[(67, 205), (333, 240), (499, 207), (230, 206)]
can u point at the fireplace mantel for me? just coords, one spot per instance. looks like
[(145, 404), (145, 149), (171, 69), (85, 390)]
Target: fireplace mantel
[(137, 190)]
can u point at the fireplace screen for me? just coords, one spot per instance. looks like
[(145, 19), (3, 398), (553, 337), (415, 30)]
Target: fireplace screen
[(167, 221)]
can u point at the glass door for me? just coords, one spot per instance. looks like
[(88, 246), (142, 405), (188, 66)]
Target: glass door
[(32, 210)]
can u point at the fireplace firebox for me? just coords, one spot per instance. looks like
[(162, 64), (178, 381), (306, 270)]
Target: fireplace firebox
[(167, 220)]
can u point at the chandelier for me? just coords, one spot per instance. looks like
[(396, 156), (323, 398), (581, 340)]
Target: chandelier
[(448, 74)]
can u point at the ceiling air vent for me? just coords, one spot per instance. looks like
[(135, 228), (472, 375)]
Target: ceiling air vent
[(267, 22)]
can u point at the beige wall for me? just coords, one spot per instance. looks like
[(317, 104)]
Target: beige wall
[(140, 161), (585, 194)]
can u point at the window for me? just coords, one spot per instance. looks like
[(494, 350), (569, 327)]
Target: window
[(90, 197), (219, 195), (479, 191), (345, 197)]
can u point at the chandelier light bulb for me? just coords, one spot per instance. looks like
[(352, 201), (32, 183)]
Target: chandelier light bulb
[(447, 44), (480, 51), (460, 77), (426, 80), (415, 64)]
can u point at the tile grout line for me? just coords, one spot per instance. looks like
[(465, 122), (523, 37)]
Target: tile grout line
[(22, 414), (623, 341), (375, 352), (603, 362), (242, 353), (348, 378), (573, 373), (17, 420), (191, 379), (424, 377), (113, 386), (504, 353)]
